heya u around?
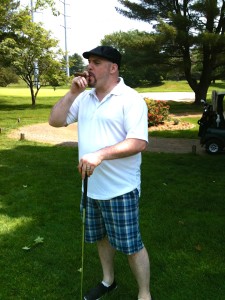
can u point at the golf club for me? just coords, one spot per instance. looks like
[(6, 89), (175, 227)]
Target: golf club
[(83, 233)]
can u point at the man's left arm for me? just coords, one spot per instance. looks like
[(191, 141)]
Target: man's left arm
[(128, 147)]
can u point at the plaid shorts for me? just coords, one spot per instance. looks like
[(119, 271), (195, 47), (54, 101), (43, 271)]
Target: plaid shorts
[(118, 219)]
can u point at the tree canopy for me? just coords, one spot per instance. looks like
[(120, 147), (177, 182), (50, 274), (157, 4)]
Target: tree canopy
[(142, 54), (34, 51), (29, 49), (76, 63), (191, 33), (10, 18)]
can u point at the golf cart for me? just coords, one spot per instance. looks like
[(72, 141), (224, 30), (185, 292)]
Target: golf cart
[(212, 124)]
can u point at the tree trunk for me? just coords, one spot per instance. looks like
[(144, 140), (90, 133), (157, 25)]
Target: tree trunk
[(199, 95), (199, 88), (33, 97), (203, 86), (33, 93)]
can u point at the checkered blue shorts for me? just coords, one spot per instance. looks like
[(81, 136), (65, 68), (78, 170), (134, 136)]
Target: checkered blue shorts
[(118, 219)]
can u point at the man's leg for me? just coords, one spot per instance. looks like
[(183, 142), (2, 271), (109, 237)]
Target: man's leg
[(106, 253), (140, 266)]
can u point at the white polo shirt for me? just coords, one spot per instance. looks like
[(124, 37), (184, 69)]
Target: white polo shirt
[(121, 114)]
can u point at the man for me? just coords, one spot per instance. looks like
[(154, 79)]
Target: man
[(112, 133)]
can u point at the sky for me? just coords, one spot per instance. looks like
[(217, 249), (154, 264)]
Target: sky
[(87, 22)]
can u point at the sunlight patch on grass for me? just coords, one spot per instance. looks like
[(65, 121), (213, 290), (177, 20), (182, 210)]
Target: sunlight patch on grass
[(25, 92), (9, 224)]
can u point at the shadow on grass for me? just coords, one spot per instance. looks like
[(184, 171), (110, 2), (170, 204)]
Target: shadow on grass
[(182, 223), (7, 107), (40, 194)]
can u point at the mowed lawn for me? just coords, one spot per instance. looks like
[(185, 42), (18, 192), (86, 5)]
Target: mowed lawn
[(182, 212)]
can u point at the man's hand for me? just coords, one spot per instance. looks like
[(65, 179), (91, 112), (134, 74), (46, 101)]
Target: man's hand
[(60, 110), (88, 163), (122, 149), (79, 83)]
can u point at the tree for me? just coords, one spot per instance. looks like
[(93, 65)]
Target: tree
[(12, 17), (7, 76), (76, 63), (142, 54), (43, 4), (191, 32), (33, 46), (12, 20)]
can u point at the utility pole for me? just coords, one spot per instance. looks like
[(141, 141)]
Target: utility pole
[(36, 69), (65, 34), (32, 10)]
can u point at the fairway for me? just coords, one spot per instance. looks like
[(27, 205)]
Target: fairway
[(182, 217)]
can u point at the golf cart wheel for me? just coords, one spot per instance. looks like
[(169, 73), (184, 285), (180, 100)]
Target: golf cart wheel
[(213, 146)]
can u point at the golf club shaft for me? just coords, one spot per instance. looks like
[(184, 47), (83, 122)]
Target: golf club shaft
[(85, 191), (83, 232)]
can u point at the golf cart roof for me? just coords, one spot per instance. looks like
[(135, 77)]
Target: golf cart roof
[(217, 101)]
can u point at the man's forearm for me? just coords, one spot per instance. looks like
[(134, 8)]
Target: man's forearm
[(60, 110), (125, 148)]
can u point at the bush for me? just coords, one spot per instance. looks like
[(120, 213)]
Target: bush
[(7, 76), (158, 111)]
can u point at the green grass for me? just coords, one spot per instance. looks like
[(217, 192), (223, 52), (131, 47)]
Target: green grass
[(17, 101), (182, 218), (180, 86), (169, 86)]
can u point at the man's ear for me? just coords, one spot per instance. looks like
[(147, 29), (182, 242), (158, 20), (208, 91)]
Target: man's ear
[(114, 68)]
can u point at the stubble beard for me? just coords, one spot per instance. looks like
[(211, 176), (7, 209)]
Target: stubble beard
[(92, 83)]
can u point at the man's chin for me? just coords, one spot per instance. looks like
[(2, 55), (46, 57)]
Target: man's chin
[(91, 82), (91, 85)]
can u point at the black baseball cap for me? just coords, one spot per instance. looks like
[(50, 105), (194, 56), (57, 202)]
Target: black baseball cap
[(107, 52)]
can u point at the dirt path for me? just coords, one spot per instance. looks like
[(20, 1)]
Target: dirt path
[(171, 145), (68, 137)]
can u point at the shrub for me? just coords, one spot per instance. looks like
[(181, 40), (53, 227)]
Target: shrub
[(7, 76), (158, 111), (176, 121)]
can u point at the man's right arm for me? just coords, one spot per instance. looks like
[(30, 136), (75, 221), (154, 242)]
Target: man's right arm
[(60, 110)]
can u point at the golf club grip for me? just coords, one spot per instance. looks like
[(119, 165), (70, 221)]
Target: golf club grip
[(85, 191)]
